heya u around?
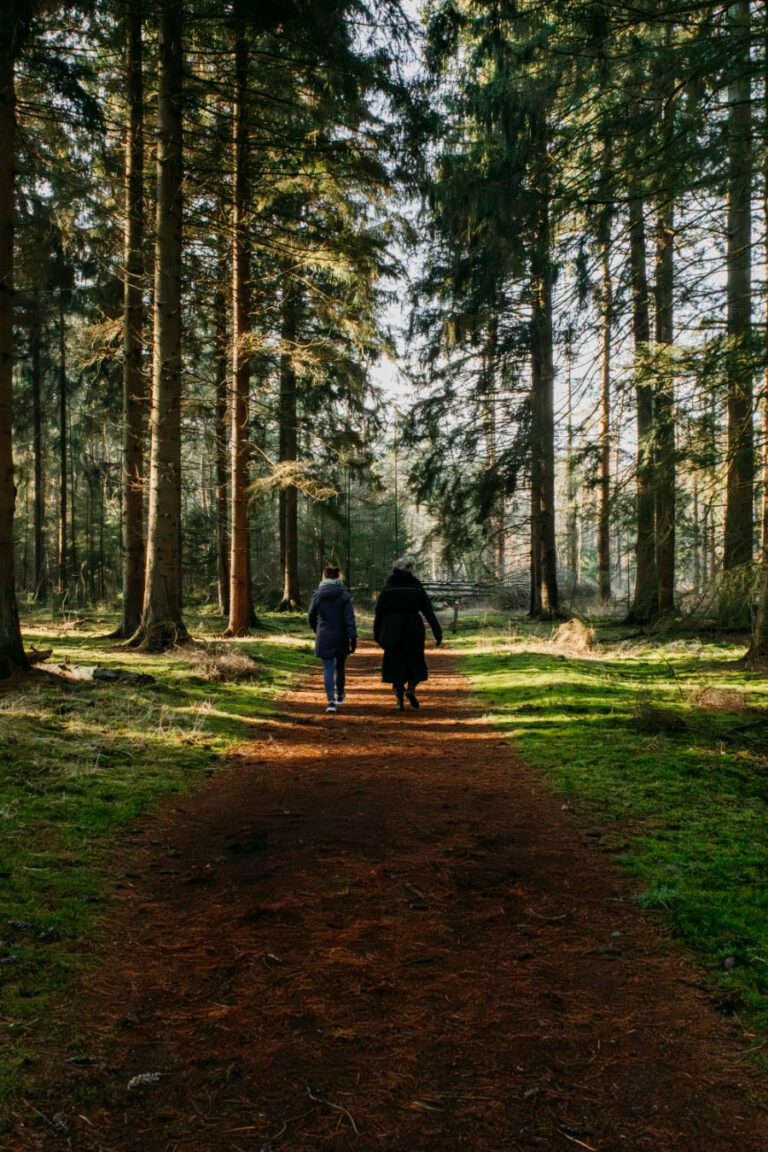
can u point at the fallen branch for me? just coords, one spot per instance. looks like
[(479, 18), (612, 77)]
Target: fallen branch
[(580, 1143)]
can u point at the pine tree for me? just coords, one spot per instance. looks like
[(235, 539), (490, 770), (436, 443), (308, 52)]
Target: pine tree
[(134, 386), (161, 621), (14, 26)]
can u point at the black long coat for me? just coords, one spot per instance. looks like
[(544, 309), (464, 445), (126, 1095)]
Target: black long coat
[(398, 628)]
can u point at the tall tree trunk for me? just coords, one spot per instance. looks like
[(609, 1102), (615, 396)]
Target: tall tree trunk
[(534, 608), (604, 475), (134, 384), (240, 599), (665, 413), (161, 621), (63, 546), (494, 527), (11, 647), (222, 423), (40, 573), (289, 445), (739, 526), (572, 511), (757, 656), (543, 412), (645, 603)]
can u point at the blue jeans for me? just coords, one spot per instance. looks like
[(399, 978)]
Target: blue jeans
[(333, 676)]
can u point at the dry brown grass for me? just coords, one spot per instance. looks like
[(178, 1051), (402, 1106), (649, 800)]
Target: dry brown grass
[(574, 638), (711, 699), (222, 663)]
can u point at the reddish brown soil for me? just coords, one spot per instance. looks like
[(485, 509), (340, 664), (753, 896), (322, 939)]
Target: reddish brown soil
[(381, 931)]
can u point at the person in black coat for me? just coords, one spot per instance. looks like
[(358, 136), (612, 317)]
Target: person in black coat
[(332, 618), (398, 628)]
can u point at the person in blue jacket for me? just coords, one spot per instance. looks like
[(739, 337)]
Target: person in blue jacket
[(332, 618)]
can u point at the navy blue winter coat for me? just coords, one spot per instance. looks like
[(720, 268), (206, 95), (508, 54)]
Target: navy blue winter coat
[(332, 618)]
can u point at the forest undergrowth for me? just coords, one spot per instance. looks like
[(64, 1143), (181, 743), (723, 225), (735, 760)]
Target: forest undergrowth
[(661, 747), (80, 758)]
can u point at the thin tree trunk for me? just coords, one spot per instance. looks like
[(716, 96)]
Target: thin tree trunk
[(11, 647), (572, 517), (134, 383), (665, 414), (757, 656), (739, 525), (696, 537), (534, 609), (222, 458), (40, 574), (544, 415), (240, 599), (494, 527), (63, 547), (289, 445), (74, 562), (161, 622), (604, 478), (645, 602)]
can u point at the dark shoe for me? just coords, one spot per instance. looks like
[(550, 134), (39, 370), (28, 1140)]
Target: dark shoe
[(399, 704), (412, 700)]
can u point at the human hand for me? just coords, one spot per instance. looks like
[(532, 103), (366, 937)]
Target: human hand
[(438, 642), (352, 643)]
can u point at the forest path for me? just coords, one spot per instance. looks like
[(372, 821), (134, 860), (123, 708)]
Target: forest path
[(380, 931)]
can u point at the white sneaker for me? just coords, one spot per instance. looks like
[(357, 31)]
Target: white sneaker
[(342, 698), (331, 707)]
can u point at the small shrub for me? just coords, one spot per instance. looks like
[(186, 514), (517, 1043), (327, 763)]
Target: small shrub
[(222, 663), (713, 699), (574, 638)]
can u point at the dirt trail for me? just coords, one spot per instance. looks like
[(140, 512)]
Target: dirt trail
[(379, 931)]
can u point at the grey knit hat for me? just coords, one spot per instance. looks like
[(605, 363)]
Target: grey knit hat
[(405, 563)]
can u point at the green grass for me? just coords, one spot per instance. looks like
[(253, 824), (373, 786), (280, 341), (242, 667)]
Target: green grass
[(79, 760), (685, 810)]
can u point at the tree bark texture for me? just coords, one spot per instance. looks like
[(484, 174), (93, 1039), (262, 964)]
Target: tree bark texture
[(739, 516), (757, 656), (604, 476), (134, 383), (665, 414), (645, 603), (11, 647), (543, 417), (40, 571), (161, 622), (222, 447), (289, 445), (240, 599), (64, 567)]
